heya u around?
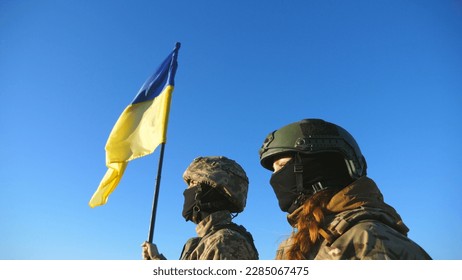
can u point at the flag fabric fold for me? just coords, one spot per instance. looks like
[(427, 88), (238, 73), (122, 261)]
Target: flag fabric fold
[(141, 127)]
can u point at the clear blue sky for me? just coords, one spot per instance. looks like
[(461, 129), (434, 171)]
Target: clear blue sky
[(390, 72)]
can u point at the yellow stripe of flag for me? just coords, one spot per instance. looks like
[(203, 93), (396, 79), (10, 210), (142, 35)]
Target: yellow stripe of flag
[(141, 127)]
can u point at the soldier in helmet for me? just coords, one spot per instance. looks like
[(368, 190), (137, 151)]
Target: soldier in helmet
[(217, 187), (319, 178)]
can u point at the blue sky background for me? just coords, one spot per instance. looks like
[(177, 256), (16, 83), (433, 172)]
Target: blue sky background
[(390, 72)]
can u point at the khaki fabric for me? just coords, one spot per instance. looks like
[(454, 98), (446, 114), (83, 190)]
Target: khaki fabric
[(361, 227)]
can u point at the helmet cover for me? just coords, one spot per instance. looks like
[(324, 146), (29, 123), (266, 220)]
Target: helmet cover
[(223, 174)]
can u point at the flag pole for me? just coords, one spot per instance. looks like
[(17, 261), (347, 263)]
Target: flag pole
[(171, 75), (156, 195)]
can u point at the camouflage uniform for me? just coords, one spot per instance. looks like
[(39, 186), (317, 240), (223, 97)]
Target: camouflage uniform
[(220, 239), (362, 227)]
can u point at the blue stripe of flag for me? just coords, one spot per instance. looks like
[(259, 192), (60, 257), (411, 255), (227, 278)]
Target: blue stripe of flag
[(163, 77)]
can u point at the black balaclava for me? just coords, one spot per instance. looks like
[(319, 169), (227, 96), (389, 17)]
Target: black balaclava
[(305, 175), (200, 201)]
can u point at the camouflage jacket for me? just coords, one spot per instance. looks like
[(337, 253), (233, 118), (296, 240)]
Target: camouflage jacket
[(220, 239), (362, 227)]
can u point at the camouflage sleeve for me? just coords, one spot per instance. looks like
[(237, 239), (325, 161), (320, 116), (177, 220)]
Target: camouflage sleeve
[(372, 241), (227, 244)]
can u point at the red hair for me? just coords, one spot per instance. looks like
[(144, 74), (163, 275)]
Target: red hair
[(308, 223)]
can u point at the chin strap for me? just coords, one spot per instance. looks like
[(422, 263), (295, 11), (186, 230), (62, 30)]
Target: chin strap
[(298, 171), (202, 209), (196, 214), (302, 191)]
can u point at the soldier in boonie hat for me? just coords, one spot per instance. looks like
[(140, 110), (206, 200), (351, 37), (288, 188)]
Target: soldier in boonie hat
[(217, 188)]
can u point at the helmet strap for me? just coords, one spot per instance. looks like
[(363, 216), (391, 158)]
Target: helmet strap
[(196, 215), (298, 171), (202, 209), (351, 169), (304, 192)]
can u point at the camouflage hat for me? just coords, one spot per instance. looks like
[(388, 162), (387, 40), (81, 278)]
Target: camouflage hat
[(223, 174)]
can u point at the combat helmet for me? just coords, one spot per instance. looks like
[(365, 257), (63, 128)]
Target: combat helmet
[(310, 136), (223, 174)]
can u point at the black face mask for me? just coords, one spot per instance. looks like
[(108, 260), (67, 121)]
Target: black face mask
[(198, 203), (189, 203), (320, 171), (285, 187)]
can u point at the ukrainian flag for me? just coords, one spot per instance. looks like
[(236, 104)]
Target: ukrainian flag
[(141, 127)]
